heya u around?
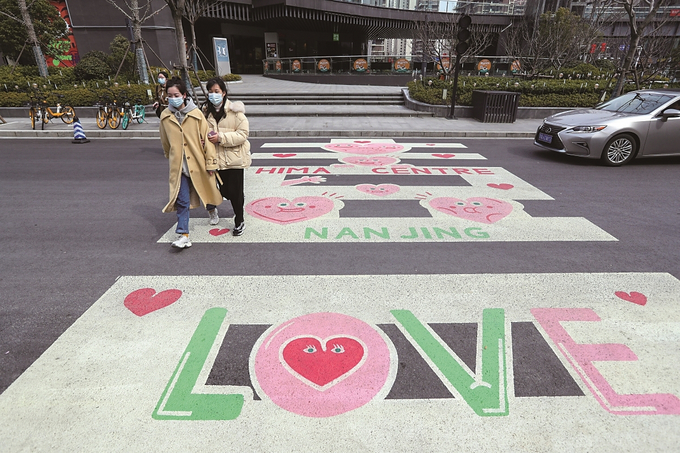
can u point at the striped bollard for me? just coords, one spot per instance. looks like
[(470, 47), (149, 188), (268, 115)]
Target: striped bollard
[(78, 132)]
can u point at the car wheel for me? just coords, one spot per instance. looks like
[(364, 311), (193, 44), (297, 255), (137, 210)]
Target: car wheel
[(619, 150)]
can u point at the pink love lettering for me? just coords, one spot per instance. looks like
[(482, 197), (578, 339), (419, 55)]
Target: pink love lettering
[(322, 363), (503, 186), (283, 156), (484, 210), (145, 300), (364, 148), (218, 231), (633, 296), (444, 156), (283, 211), (380, 190)]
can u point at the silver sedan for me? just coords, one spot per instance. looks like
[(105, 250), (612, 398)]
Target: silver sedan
[(637, 124)]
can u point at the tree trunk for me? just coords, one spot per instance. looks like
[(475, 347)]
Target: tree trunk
[(627, 63), (37, 51), (137, 38), (194, 57), (177, 14)]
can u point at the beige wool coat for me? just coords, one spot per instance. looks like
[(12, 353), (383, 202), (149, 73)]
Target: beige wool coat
[(190, 138), (233, 148)]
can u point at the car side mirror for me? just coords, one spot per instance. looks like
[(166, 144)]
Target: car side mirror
[(670, 113)]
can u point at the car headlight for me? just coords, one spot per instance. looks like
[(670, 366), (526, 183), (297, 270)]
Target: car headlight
[(588, 128)]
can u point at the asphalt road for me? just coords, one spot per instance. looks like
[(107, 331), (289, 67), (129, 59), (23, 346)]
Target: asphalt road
[(76, 217)]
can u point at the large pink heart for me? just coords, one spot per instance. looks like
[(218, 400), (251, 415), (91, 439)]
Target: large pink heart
[(380, 190), (371, 161), (364, 148), (145, 300), (634, 296), (283, 211), (322, 363), (484, 210)]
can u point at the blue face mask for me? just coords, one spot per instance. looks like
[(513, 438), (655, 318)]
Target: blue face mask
[(161, 80), (215, 98), (176, 102)]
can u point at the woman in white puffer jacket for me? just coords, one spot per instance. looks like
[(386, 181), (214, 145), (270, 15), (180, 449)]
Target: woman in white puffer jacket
[(229, 133)]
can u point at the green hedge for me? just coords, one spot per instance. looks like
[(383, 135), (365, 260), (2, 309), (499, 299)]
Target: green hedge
[(535, 93), (18, 86)]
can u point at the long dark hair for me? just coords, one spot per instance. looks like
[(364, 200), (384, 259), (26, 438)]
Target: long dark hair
[(210, 108)]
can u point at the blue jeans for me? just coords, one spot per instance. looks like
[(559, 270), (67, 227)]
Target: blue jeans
[(182, 205)]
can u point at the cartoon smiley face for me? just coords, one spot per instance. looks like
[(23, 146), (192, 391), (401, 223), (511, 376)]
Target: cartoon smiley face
[(283, 211), (366, 148), (370, 161), (479, 209)]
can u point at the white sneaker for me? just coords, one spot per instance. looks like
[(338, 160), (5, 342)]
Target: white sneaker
[(182, 242), (214, 218)]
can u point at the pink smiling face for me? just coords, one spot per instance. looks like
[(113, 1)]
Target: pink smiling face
[(283, 211), (484, 210), (370, 161), (322, 364), (364, 147)]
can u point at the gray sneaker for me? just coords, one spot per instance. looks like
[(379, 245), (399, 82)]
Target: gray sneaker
[(182, 243), (238, 230), (214, 218)]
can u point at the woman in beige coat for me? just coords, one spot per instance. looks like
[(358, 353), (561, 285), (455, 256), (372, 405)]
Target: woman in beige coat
[(192, 158), (229, 133)]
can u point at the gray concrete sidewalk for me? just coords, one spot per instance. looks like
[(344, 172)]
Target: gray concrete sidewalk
[(371, 125)]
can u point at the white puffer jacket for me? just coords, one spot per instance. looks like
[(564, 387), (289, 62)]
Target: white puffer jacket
[(233, 148)]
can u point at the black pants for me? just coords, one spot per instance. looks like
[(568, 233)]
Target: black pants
[(232, 189)]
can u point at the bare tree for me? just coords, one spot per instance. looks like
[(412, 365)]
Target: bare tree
[(439, 40), (32, 36), (178, 10), (137, 14), (558, 38), (640, 25), (194, 9)]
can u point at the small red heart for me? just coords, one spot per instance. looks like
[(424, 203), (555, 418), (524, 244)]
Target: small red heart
[(633, 296), (430, 144), (218, 231), (284, 155), (362, 141), (145, 300), (444, 156), (501, 186)]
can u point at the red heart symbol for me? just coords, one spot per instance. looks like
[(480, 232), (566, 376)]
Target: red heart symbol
[(635, 297), (362, 141), (145, 300), (284, 155), (218, 231), (322, 363), (503, 186), (430, 144), (444, 156)]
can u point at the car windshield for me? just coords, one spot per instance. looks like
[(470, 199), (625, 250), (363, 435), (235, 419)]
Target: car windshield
[(637, 103)]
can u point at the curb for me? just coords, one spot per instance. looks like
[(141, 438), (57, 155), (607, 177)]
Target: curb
[(274, 134)]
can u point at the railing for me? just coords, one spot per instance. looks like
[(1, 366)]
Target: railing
[(367, 65), (513, 8)]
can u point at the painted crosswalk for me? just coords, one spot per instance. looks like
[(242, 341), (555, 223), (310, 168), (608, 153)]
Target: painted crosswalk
[(381, 191), (182, 364)]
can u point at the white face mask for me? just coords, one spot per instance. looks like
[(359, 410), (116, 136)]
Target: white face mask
[(215, 99), (176, 102), (161, 80)]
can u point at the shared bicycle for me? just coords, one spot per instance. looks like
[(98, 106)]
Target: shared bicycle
[(41, 112), (133, 112), (109, 112)]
